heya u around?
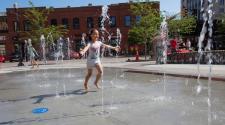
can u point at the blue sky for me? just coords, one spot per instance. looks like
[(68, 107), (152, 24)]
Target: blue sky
[(171, 6)]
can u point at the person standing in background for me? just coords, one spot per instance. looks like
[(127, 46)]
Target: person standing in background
[(188, 44), (173, 45)]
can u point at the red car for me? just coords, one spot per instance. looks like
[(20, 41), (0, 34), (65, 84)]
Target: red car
[(2, 58)]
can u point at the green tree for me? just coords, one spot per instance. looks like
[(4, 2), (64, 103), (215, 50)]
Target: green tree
[(184, 26), (220, 32), (143, 31), (221, 24), (38, 18)]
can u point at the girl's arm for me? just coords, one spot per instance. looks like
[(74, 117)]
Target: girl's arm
[(111, 47), (82, 52)]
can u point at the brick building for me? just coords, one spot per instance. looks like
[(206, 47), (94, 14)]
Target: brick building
[(3, 33), (77, 20)]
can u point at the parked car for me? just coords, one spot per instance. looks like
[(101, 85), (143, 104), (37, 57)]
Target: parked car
[(14, 57), (2, 58)]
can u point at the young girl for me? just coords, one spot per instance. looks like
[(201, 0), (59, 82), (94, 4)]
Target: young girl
[(32, 53), (93, 59)]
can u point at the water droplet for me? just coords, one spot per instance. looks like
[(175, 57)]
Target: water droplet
[(215, 116), (122, 75), (113, 107), (199, 89)]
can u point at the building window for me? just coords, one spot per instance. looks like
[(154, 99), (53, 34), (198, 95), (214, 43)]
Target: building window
[(3, 25), (138, 19), (65, 23), (16, 26), (221, 2), (27, 25), (100, 21), (2, 38), (90, 22), (112, 21), (2, 49), (54, 22), (127, 20), (76, 23)]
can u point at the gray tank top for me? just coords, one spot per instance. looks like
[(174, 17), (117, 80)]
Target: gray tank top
[(94, 50)]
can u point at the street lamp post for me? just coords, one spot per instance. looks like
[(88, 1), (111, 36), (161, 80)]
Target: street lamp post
[(17, 35)]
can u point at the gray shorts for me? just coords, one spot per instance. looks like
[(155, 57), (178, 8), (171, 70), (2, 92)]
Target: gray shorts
[(91, 63)]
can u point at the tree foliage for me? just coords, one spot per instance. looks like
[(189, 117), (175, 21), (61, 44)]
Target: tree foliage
[(184, 26), (221, 24), (134, 37), (144, 29), (38, 19)]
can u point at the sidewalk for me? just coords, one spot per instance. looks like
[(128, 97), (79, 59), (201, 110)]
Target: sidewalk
[(181, 70)]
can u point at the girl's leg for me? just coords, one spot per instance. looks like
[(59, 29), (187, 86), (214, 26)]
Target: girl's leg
[(32, 63), (36, 63), (87, 78), (99, 74)]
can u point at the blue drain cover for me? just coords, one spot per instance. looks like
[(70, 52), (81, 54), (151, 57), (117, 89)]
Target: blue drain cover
[(39, 110)]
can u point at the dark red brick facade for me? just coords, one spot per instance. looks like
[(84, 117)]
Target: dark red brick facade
[(119, 11)]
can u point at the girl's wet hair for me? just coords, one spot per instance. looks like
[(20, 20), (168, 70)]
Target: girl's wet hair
[(91, 32)]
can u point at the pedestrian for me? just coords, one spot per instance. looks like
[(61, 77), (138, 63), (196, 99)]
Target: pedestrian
[(188, 44), (173, 45), (33, 54)]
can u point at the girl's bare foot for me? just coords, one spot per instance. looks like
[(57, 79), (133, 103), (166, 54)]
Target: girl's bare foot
[(86, 87), (96, 84)]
